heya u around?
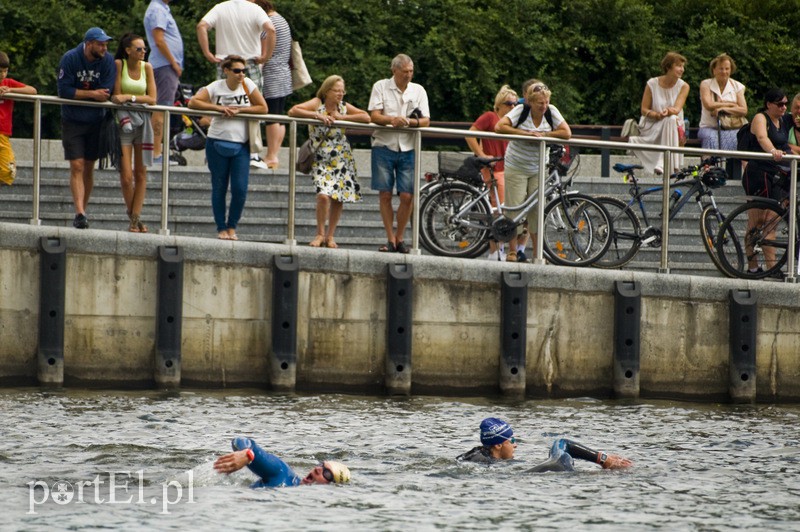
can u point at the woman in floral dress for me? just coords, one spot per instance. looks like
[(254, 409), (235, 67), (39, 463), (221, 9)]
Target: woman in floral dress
[(334, 169)]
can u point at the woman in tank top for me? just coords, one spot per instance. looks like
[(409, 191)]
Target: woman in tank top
[(134, 86)]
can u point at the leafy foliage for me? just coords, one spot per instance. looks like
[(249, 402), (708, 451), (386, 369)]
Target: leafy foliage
[(596, 55)]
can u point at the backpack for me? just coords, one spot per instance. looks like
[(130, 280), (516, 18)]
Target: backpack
[(526, 111), (746, 141)]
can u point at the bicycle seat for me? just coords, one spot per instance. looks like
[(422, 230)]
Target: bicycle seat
[(625, 168), (487, 161)]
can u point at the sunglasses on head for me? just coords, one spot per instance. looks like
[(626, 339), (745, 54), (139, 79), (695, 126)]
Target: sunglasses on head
[(327, 474), (539, 88), (238, 70)]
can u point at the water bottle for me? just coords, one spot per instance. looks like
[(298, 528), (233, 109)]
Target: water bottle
[(675, 197)]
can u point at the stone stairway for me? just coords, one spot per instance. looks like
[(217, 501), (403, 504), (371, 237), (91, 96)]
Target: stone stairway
[(266, 213)]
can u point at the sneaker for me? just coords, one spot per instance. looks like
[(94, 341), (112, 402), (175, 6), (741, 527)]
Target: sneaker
[(494, 255), (173, 161), (80, 222), (158, 161), (258, 162), (521, 256)]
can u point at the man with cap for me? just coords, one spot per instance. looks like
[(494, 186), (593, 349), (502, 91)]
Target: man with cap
[(87, 72), (274, 472), (498, 443)]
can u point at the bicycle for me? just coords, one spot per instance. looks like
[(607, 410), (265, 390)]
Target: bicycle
[(693, 181), (458, 220), (761, 227)]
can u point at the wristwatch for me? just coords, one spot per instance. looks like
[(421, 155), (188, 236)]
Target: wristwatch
[(133, 98)]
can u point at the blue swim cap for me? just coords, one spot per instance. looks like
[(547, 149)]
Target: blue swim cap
[(495, 431)]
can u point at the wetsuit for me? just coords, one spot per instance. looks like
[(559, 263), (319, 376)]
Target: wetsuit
[(272, 471), (562, 453)]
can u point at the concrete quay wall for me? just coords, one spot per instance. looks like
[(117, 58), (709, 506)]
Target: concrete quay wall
[(110, 329)]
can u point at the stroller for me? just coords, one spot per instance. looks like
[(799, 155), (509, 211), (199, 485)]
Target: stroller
[(186, 132)]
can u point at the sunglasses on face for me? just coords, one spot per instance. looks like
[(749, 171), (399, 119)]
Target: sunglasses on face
[(238, 70), (512, 440), (780, 104), (327, 474), (510, 104), (141, 48)]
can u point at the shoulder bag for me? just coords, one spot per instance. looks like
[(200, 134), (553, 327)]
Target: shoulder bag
[(300, 75), (727, 121)]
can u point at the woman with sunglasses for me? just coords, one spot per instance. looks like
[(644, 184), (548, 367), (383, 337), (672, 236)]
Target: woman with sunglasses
[(505, 100), (535, 118), (662, 114), (228, 142), (274, 472), (771, 129), (134, 85), (498, 443)]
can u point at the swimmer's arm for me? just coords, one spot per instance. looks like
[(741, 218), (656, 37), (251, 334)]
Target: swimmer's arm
[(606, 461)]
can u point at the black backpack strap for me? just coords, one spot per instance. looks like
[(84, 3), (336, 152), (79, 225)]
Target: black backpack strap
[(526, 111)]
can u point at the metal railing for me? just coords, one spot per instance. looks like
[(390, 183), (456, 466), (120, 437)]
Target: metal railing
[(38, 100)]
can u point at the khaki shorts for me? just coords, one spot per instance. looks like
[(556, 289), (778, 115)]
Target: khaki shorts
[(519, 185), (8, 164)]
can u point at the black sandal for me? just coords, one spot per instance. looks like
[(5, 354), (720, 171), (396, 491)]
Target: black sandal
[(388, 247), (402, 248)]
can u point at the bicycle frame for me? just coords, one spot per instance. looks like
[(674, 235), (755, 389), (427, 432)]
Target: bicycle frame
[(696, 189)]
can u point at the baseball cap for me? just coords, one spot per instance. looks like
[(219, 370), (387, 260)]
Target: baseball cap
[(96, 34)]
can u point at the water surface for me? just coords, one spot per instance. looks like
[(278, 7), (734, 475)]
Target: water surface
[(697, 467)]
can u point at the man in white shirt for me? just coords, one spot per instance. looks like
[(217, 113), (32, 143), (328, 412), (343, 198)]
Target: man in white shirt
[(398, 103), (243, 29)]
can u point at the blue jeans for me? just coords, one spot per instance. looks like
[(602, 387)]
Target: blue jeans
[(229, 163), (388, 166)]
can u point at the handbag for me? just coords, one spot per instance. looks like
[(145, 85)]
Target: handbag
[(300, 75), (727, 121), (305, 157), (306, 153)]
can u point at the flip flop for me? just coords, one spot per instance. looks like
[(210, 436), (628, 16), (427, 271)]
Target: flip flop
[(388, 247), (318, 242), (402, 248)]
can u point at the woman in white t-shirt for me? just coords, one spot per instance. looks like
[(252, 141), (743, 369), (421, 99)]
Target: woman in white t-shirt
[(228, 142), (522, 158), (720, 93)]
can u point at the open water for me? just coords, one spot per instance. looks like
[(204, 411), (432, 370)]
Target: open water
[(697, 467)]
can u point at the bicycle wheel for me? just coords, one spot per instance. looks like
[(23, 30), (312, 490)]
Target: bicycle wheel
[(762, 229), (626, 236), (440, 232), (576, 230), (710, 225)]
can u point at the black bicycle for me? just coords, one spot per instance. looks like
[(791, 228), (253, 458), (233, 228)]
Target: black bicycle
[(458, 220), (630, 235)]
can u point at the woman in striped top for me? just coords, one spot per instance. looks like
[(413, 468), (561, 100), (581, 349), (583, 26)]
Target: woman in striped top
[(277, 80)]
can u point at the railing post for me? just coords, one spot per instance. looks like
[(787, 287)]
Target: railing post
[(164, 230), (37, 160), (291, 239), (605, 153), (664, 267), (539, 250), (417, 178), (791, 268)]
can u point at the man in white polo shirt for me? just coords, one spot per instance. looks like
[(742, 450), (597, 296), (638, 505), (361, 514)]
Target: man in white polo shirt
[(398, 103), (243, 29)]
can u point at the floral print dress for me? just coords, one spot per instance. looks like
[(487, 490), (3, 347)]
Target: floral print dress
[(334, 169)]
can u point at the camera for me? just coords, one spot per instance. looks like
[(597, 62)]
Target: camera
[(416, 113)]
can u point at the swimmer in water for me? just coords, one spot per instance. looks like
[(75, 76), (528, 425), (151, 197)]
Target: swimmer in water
[(274, 472), (498, 443)]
